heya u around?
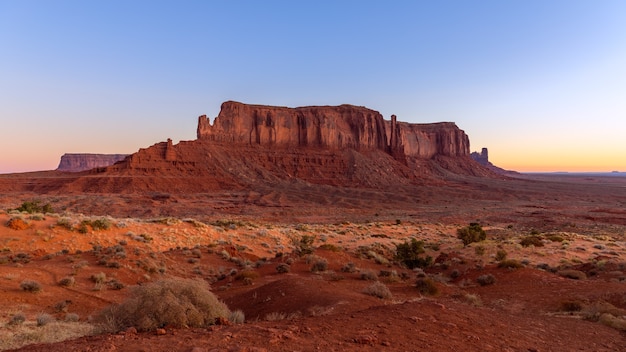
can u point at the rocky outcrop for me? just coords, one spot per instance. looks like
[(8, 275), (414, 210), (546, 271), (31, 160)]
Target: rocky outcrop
[(82, 162), (256, 147), (483, 159), (331, 127)]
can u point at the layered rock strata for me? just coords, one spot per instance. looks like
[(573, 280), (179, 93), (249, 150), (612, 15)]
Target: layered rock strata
[(81, 162)]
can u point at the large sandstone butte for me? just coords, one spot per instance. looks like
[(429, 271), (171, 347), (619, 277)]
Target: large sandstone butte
[(253, 147), (76, 162), (331, 127)]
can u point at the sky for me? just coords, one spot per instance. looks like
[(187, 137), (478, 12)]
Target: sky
[(540, 83)]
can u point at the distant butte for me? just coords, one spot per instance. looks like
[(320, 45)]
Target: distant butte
[(81, 162)]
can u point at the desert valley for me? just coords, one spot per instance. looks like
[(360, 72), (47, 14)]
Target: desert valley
[(323, 228)]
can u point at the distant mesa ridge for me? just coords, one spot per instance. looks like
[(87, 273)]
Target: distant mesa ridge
[(251, 147), (76, 162), (331, 127)]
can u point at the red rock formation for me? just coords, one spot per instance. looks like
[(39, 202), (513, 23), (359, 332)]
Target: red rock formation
[(82, 162), (262, 147), (331, 127), (334, 127)]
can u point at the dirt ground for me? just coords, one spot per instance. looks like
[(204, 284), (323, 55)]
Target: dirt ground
[(566, 293)]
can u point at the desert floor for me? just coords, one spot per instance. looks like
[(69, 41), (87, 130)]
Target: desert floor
[(566, 292)]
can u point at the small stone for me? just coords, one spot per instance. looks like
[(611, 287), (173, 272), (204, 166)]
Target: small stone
[(160, 332)]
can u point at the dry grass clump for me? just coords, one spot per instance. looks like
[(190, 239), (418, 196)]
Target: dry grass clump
[(532, 240), (67, 281), (426, 286), (176, 302), (44, 319), (27, 333), (378, 289), (283, 268), (510, 264), (369, 275), (237, 317), (320, 264), (485, 280), (572, 274), (30, 286)]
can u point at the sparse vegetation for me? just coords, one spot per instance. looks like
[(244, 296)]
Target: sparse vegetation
[(30, 286), (472, 233), (510, 264), (485, 280), (408, 253), (319, 264), (378, 289), (426, 286), (283, 268), (44, 319), (67, 281), (532, 240), (175, 302), (237, 317), (303, 245), (572, 274), (34, 207), (368, 275), (501, 255)]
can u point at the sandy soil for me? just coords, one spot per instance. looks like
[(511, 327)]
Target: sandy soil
[(581, 222)]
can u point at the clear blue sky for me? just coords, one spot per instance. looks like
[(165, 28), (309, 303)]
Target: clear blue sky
[(541, 83)]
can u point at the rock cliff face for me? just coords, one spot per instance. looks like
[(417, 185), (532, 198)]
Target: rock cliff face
[(82, 162), (255, 147), (331, 127)]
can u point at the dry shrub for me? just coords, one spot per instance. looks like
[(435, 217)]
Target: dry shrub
[(487, 279), (283, 268), (532, 240), (30, 286), (510, 264), (613, 321), (369, 275), (378, 289), (27, 334), (237, 317), (426, 286), (44, 319), (320, 264), (17, 224), (570, 306), (176, 302), (67, 281), (572, 274)]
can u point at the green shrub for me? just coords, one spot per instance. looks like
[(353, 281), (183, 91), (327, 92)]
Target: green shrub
[(175, 302), (472, 233), (34, 207), (409, 254), (101, 224), (304, 244)]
